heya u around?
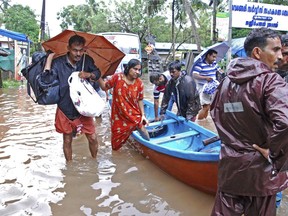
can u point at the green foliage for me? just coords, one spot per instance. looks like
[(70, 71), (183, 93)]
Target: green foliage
[(154, 6), (3, 6), (201, 18), (205, 28), (142, 17), (11, 83), (127, 16), (160, 29), (75, 16), (22, 19), (138, 16), (240, 32), (132, 17), (92, 17)]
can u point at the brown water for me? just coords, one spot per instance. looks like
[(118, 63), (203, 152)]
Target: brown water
[(35, 179)]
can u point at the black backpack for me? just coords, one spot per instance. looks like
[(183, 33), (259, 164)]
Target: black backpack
[(45, 92)]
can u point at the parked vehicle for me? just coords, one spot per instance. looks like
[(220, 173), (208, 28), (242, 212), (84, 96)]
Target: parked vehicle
[(128, 43)]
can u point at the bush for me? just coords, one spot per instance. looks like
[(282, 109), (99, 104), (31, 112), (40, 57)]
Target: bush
[(11, 83)]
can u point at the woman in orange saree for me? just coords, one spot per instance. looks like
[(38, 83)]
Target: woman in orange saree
[(127, 104)]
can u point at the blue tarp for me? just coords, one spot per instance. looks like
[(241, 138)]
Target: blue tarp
[(237, 46), (14, 35)]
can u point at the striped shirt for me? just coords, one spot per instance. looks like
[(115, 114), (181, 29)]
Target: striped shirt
[(204, 69), (158, 89)]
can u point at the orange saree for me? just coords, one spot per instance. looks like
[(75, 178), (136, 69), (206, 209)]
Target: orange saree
[(126, 114)]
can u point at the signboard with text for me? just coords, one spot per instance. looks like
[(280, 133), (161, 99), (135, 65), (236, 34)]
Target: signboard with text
[(255, 15), (222, 23), (149, 48)]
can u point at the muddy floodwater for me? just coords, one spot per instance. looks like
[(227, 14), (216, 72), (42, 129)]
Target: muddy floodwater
[(35, 179)]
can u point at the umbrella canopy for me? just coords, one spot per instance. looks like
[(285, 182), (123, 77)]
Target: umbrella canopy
[(106, 56), (221, 48), (237, 47)]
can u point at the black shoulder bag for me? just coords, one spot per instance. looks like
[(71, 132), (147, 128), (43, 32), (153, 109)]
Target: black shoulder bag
[(45, 92)]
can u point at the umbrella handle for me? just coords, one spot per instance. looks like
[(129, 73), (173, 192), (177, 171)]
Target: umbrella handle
[(83, 63)]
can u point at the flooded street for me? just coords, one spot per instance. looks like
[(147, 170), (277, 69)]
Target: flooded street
[(35, 179)]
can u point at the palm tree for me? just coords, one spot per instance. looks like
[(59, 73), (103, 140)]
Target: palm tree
[(189, 10), (177, 14), (4, 4)]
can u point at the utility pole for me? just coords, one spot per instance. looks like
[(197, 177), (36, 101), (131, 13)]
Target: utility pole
[(42, 26), (229, 34), (214, 32), (173, 30), (42, 23)]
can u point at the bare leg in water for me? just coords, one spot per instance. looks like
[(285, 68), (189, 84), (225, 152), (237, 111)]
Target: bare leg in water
[(144, 133), (93, 144), (203, 113), (67, 146)]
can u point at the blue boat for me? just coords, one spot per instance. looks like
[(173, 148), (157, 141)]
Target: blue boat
[(182, 148)]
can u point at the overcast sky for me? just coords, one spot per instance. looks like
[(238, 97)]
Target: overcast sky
[(52, 7)]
